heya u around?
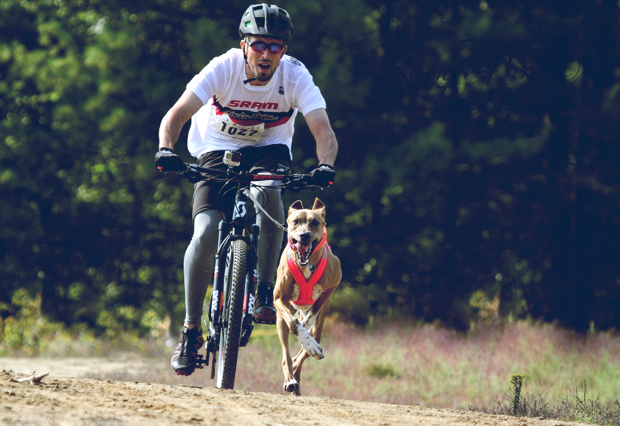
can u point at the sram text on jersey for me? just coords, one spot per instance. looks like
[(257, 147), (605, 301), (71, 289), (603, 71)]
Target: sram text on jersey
[(253, 105)]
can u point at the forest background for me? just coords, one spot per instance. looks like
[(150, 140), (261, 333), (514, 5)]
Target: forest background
[(478, 156)]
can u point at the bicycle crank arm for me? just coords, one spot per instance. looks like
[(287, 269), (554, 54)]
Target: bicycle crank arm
[(213, 365)]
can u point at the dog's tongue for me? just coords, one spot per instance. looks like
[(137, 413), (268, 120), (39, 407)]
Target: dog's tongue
[(302, 249)]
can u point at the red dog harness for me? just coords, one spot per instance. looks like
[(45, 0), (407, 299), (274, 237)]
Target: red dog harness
[(306, 286)]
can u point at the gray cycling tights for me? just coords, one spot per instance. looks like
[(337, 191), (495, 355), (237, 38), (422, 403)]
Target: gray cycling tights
[(198, 262)]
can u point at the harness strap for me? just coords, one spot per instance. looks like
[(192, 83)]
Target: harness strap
[(306, 286), (251, 196)]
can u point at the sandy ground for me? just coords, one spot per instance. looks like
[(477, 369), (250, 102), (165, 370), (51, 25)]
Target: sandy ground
[(66, 397)]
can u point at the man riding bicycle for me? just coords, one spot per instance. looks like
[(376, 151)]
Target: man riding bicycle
[(245, 100)]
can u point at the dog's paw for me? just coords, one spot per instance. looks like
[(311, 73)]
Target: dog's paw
[(308, 343), (291, 386)]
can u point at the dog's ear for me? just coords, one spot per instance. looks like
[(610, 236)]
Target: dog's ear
[(318, 205), (297, 205)]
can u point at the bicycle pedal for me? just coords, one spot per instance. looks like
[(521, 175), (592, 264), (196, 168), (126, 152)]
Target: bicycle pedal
[(201, 362)]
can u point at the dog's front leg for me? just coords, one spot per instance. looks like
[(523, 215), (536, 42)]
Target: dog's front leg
[(308, 342), (313, 320), (317, 319), (298, 361), (290, 384), (308, 319), (304, 337)]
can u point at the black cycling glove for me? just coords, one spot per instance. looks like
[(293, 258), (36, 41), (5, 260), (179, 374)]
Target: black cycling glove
[(167, 161), (324, 175)]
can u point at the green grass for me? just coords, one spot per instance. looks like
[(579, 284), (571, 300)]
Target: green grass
[(576, 405)]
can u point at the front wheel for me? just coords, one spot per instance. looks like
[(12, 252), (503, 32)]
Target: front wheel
[(231, 330)]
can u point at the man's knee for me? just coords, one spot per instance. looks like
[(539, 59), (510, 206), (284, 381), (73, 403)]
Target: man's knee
[(270, 199), (205, 230)]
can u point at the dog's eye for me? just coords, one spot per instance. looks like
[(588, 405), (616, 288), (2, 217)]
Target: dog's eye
[(295, 222), (314, 223)]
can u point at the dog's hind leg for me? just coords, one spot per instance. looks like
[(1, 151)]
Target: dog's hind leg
[(317, 328), (290, 384)]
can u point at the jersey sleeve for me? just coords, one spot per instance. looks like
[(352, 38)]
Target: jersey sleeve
[(308, 95), (206, 83)]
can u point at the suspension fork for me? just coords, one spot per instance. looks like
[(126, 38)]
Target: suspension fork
[(217, 299), (250, 287), (240, 220), (252, 272)]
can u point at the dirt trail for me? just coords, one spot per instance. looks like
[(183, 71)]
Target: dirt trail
[(64, 400)]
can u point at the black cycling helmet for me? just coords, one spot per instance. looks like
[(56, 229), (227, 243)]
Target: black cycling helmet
[(266, 20)]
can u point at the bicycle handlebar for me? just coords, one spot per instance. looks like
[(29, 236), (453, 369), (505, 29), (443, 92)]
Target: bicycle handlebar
[(194, 174)]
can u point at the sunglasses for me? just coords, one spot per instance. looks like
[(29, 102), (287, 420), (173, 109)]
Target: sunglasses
[(261, 46)]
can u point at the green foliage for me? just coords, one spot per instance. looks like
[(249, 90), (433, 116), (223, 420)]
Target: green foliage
[(355, 304), (516, 380), (79, 161), (381, 371), (30, 333), (476, 154)]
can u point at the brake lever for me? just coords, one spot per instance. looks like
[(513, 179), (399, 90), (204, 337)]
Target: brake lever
[(190, 173)]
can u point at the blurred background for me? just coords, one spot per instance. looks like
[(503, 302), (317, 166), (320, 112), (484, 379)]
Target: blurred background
[(477, 174)]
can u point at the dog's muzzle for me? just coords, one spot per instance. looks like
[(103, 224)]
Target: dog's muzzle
[(304, 250)]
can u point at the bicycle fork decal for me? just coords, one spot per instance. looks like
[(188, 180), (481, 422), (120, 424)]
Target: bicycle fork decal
[(249, 304), (215, 301)]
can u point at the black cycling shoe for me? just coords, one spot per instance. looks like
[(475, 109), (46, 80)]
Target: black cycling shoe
[(264, 311), (185, 356)]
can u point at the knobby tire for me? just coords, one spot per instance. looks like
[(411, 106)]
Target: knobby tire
[(231, 335)]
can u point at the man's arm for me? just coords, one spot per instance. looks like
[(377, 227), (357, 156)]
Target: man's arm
[(326, 144), (172, 123)]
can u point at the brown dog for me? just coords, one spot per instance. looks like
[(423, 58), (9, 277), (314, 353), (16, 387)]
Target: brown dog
[(308, 274)]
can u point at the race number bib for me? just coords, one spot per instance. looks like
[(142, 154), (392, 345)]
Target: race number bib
[(248, 134)]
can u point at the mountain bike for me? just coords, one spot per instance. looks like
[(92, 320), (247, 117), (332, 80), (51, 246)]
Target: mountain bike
[(234, 272)]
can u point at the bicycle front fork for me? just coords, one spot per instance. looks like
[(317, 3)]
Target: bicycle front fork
[(250, 287), (216, 308), (216, 305)]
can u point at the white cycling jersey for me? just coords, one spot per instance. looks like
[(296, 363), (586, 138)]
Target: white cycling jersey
[(237, 115)]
